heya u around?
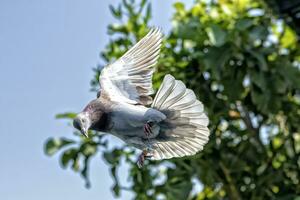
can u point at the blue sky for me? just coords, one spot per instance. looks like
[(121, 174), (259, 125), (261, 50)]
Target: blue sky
[(47, 51)]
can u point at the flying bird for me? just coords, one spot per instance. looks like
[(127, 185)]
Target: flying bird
[(173, 124)]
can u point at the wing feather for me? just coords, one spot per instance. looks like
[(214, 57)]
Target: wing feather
[(129, 79)]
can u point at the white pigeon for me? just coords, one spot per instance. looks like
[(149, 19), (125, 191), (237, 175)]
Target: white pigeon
[(175, 124)]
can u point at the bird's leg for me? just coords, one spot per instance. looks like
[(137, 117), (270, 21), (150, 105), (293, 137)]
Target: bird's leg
[(141, 160), (148, 132), (148, 128), (147, 153)]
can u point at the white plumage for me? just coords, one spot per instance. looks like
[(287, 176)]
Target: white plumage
[(130, 77), (177, 118), (187, 131)]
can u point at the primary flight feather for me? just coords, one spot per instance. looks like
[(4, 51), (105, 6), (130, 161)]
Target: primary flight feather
[(175, 124)]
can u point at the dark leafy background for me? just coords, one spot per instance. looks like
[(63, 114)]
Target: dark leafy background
[(243, 64)]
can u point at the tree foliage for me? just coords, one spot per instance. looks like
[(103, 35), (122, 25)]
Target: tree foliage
[(243, 64)]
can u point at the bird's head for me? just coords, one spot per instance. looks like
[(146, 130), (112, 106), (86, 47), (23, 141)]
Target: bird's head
[(92, 117), (82, 122)]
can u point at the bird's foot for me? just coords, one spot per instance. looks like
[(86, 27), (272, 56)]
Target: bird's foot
[(141, 160), (148, 129), (147, 153)]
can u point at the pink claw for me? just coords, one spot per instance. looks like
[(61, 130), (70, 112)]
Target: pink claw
[(141, 160), (147, 129), (146, 154)]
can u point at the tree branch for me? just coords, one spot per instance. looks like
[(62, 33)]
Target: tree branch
[(245, 116), (233, 192)]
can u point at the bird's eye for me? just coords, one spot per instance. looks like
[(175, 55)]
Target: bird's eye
[(98, 94), (83, 120)]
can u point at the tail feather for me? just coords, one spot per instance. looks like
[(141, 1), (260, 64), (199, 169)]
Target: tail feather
[(175, 95), (184, 132), (164, 91), (187, 100)]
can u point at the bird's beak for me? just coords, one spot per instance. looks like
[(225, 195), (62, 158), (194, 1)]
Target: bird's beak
[(77, 124), (84, 132)]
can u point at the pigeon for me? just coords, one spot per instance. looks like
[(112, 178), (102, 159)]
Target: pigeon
[(173, 124)]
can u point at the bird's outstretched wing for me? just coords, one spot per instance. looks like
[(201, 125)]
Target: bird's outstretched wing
[(129, 79)]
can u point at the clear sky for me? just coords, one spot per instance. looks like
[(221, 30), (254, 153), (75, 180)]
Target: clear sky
[(47, 51)]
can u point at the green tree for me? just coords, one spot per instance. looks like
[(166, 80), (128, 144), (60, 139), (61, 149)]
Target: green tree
[(243, 64)]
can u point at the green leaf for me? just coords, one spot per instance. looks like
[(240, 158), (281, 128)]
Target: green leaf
[(117, 28), (190, 31), (215, 60), (289, 38), (76, 163), (54, 144), (143, 3), (148, 13), (277, 142), (233, 86), (129, 7), (179, 6), (89, 149), (117, 12), (179, 188), (259, 79), (243, 24), (85, 173), (217, 36), (68, 156), (261, 100), (112, 157), (108, 156), (260, 58), (259, 33), (261, 169), (67, 115), (280, 85), (290, 73), (116, 190)]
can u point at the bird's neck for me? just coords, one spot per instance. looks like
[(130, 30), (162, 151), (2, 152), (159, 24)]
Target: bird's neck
[(102, 124)]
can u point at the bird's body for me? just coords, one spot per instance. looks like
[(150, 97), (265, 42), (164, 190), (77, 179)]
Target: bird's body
[(174, 125), (128, 120)]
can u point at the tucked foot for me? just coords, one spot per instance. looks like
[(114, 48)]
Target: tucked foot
[(147, 153), (148, 129), (141, 160)]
